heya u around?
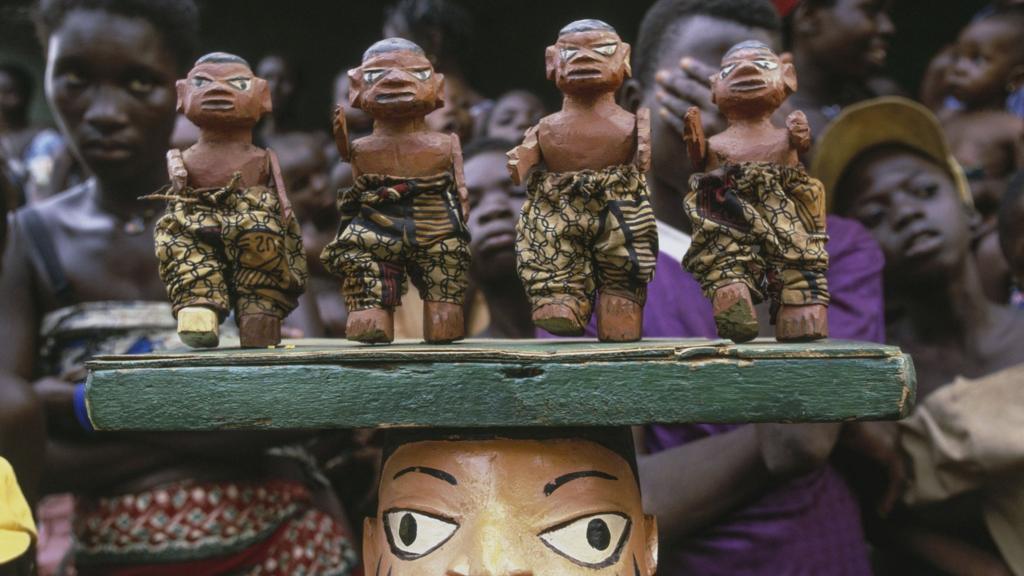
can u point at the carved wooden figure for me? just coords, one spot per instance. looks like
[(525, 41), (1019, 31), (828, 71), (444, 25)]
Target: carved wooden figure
[(526, 501), (228, 241), (758, 218), (587, 226), (406, 212)]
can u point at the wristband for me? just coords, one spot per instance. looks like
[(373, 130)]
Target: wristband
[(81, 411)]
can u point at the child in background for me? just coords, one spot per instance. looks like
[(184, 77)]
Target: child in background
[(513, 113), (987, 66)]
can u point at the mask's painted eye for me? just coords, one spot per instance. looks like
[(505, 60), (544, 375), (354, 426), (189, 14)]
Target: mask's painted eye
[(726, 70), (200, 81), (766, 64), (240, 83), (421, 74), (371, 76), (568, 53), (413, 535), (594, 541), (606, 49)]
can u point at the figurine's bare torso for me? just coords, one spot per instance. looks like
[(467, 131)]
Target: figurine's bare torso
[(739, 144), (587, 139), (214, 165), (410, 155)]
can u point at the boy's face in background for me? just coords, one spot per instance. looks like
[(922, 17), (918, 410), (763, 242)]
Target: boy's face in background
[(495, 203), (912, 208), (983, 61), (513, 114), (852, 37), (110, 81)]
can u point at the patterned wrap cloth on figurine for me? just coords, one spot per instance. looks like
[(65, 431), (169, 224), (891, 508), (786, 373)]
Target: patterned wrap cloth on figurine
[(390, 225), (762, 224), (584, 231), (268, 528), (228, 249)]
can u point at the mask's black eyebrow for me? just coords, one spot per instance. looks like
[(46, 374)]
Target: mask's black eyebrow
[(439, 474), (562, 480)]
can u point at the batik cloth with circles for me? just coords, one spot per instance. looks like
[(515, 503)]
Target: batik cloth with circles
[(393, 225), (230, 248), (583, 232), (762, 224)]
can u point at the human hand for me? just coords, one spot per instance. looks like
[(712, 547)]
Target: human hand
[(689, 85), (790, 450)]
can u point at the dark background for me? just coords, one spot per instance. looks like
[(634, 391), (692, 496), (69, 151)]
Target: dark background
[(323, 37)]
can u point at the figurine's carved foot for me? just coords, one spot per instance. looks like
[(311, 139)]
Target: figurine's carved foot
[(198, 327), (619, 319), (259, 330), (801, 323), (443, 322), (557, 319), (373, 325), (735, 316)]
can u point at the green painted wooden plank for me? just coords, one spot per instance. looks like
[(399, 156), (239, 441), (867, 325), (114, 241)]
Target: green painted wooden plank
[(497, 383)]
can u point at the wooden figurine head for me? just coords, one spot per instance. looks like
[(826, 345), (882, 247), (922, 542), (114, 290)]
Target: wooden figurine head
[(527, 501), (222, 92), (396, 80), (588, 58), (752, 82)]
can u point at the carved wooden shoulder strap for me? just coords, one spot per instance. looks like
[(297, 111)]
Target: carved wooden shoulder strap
[(643, 139)]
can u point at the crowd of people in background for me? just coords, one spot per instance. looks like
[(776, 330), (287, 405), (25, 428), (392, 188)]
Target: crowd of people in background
[(926, 241)]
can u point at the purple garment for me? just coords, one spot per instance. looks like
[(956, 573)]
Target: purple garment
[(809, 525)]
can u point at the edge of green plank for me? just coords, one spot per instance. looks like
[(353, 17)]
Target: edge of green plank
[(520, 351), (379, 394)]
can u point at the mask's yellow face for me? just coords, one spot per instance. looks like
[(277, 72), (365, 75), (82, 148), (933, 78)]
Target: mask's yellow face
[(504, 507)]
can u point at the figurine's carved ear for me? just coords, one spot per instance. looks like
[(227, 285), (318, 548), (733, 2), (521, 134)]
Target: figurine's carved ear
[(438, 80), (650, 524), (355, 88), (263, 93), (626, 50), (789, 77), (181, 87), (551, 61)]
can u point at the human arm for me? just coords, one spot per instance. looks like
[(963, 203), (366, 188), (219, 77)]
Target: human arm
[(524, 157), (694, 485)]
